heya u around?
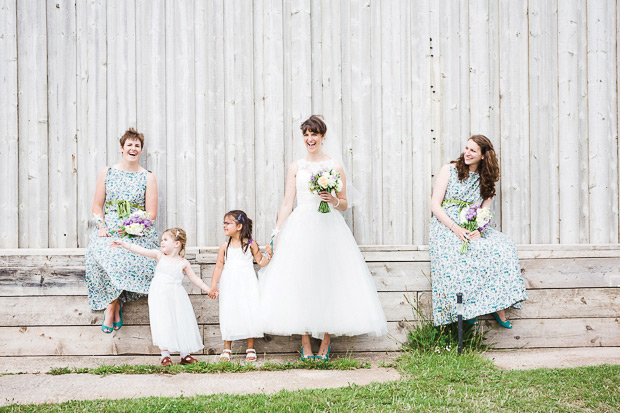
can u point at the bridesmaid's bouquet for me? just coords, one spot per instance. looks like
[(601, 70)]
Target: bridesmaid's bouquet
[(474, 218), (325, 180), (137, 224)]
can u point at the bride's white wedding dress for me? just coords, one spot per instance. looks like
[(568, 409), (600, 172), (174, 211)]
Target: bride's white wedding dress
[(318, 281)]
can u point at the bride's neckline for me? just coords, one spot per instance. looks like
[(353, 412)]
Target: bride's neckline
[(323, 161)]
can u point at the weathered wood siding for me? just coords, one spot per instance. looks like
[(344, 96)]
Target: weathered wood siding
[(574, 301), (220, 87)]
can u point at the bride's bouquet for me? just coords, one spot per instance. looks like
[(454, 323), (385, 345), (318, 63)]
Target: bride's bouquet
[(137, 224), (325, 180), (474, 218)]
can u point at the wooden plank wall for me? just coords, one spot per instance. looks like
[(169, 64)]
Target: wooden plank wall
[(574, 301), (220, 87)]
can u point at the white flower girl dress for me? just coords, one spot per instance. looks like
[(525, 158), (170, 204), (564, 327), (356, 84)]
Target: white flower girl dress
[(317, 281)]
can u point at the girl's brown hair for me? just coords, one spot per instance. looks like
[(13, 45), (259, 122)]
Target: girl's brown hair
[(178, 234), (241, 217), (488, 169), (131, 133)]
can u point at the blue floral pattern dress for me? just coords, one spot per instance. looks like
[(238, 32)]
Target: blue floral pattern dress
[(115, 272), (488, 274)]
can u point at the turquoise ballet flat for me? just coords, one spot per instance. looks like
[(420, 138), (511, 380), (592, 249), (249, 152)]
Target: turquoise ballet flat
[(473, 321), (505, 324), (105, 328), (304, 358), (117, 326), (326, 356)]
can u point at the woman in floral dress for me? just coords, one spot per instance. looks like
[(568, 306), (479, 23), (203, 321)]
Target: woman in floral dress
[(115, 275), (488, 274)]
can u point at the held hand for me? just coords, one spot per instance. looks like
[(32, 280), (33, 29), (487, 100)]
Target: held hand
[(460, 232), (474, 235), (103, 232), (213, 293), (327, 197), (269, 250)]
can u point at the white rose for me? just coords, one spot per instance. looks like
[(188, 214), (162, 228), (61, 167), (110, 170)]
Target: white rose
[(338, 186), (134, 229), (323, 181), (483, 217), (463, 216)]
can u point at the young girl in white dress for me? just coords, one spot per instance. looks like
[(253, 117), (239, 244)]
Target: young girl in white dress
[(238, 292), (318, 282), (172, 318)]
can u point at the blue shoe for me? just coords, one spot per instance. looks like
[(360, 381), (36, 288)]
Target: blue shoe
[(473, 321), (326, 356), (105, 328), (505, 324), (117, 326), (304, 358)]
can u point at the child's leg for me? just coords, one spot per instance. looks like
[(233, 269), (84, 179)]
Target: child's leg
[(226, 353), (165, 358), (250, 353)]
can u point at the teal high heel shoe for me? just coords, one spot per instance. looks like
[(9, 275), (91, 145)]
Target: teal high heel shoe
[(326, 356), (105, 328), (304, 358), (473, 321), (117, 326), (505, 324)]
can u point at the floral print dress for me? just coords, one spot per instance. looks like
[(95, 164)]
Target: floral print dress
[(488, 274), (115, 272)]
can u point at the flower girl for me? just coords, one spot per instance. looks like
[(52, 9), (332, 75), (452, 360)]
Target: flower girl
[(238, 293), (172, 318)]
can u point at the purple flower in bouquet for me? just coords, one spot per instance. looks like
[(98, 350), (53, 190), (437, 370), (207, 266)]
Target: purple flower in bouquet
[(474, 218), (137, 224)]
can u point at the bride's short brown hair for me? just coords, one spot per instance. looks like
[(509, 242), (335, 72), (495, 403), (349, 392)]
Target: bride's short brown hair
[(314, 124)]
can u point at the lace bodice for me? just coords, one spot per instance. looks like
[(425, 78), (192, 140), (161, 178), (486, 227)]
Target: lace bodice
[(305, 170)]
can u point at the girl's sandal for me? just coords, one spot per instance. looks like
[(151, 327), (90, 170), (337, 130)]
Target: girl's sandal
[(225, 356), (250, 355)]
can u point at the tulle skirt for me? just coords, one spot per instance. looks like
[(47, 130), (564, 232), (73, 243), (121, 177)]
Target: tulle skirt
[(239, 302), (318, 281), (173, 322)]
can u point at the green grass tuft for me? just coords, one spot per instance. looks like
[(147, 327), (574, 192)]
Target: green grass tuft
[(427, 337)]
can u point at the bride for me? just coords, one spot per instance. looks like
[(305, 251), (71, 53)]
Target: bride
[(317, 282)]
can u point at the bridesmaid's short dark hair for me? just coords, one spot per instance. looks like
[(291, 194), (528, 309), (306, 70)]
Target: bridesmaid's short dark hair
[(131, 133), (314, 124)]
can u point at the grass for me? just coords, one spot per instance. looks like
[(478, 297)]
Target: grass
[(431, 382), (427, 337), (344, 363)]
